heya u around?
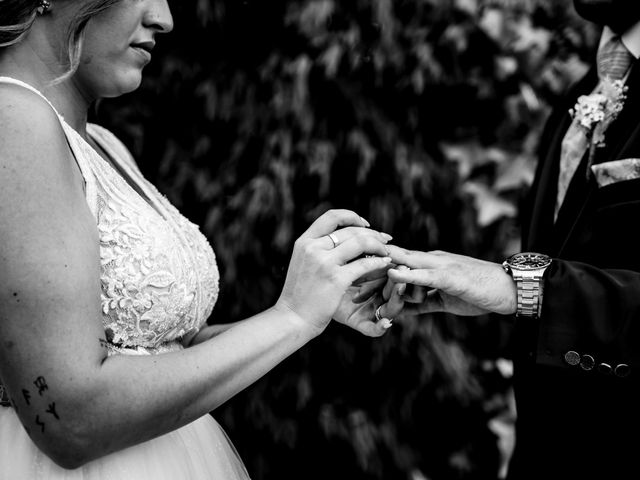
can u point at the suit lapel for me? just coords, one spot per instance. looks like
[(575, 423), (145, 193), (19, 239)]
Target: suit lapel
[(582, 188), (545, 186)]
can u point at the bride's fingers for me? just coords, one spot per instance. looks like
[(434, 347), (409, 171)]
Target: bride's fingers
[(333, 239), (380, 274), (392, 308), (368, 289), (328, 222), (362, 266), (369, 326), (359, 245), (372, 329)]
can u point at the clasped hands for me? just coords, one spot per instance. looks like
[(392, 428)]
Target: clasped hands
[(416, 283), (342, 269)]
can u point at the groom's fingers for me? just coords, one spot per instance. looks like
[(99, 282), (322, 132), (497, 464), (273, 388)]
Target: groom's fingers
[(432, 303), (432, 278), (389, 287), (418, 259), (415, 293)]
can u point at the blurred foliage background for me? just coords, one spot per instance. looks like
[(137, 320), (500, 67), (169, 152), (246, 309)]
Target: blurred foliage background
[(421, 115)]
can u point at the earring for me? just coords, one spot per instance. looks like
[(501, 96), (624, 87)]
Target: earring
[(43, 7)]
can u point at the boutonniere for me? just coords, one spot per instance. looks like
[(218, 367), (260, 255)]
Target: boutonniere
[(597, 111)]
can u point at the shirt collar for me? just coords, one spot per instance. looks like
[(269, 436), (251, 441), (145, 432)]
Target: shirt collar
[(630, 38)]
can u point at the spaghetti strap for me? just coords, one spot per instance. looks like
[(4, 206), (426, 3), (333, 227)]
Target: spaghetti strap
[(20, 83), (72, 140)]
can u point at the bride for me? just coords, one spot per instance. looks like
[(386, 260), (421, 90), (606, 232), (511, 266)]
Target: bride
[(108, 368)]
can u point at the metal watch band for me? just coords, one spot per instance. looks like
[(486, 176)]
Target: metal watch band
[(529, 289)]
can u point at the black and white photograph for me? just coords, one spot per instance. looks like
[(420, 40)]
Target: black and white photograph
[(319, 239)]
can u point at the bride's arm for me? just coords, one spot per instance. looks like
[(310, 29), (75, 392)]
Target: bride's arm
[(205, 333), (78, 404)]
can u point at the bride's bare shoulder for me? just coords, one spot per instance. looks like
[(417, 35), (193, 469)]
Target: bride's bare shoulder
[(26, 117), (32, 140)]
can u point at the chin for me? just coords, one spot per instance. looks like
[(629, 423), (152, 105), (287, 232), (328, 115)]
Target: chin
[(108, 82), (619, 15), (120, 85)]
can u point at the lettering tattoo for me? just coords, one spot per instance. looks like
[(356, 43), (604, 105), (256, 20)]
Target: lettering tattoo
[(52, 410), (41, 384), (27, 396), (40, 423)]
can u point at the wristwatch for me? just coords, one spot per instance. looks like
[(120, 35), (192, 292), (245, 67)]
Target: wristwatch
[(527, 269)]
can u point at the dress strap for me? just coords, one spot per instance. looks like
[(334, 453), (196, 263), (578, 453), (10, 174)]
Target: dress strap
[(73, 140), (20, 83)]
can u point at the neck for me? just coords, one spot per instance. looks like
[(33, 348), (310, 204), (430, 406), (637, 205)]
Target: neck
[(22, 62)]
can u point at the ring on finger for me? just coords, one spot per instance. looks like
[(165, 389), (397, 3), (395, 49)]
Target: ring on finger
[(386, 322), (334, 238)]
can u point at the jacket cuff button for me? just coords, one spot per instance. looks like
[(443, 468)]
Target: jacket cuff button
[(604, 368), (622, 370), (587, 362), (572, 358)]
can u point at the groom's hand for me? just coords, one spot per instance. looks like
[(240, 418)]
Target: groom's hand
[(456, 284)]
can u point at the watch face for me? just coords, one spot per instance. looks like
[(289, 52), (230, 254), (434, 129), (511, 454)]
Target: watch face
[(529, 261)]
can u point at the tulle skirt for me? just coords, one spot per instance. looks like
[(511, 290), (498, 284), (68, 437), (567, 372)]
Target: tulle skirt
[(198, 451)]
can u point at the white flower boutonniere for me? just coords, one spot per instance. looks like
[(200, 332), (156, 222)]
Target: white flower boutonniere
[(597, 111)]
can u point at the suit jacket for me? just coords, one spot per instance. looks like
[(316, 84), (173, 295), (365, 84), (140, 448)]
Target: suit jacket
[(577, 369)]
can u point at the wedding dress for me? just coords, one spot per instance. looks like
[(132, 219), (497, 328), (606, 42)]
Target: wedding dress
[(159, 283)]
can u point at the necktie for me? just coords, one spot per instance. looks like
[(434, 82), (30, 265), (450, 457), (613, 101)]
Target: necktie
[(614, 59), (613, 62)]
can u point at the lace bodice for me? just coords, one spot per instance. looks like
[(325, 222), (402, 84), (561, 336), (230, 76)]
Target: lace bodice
[(158, 272)]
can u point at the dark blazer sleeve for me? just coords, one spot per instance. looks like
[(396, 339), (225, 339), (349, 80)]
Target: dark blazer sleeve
[(590, 319)]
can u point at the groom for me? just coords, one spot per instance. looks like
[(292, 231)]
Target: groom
[(576, 298)]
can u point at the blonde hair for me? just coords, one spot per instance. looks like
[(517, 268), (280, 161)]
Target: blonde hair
[(17, 17)]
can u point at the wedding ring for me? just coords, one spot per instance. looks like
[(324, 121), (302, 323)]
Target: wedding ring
[(386, 322), (334, 238)]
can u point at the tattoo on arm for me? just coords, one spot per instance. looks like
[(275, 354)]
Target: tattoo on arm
[(41, 384), (40, 423), (52, 410), (27, 396), (103, 343)]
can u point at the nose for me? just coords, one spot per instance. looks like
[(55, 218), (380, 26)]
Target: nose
[(158, 16)]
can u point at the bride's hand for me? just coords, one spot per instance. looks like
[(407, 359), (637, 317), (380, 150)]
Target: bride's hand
[(334, 252), (358, 306)]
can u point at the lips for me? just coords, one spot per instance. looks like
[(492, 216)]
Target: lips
[(146, 46), (144, 49)]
